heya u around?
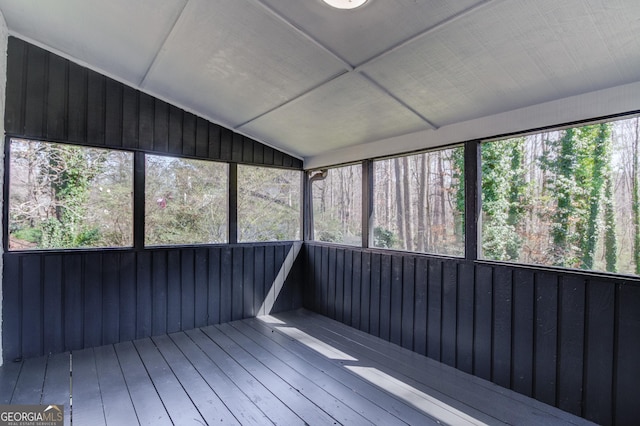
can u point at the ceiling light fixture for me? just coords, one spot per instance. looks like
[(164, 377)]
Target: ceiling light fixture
[(345, 4)]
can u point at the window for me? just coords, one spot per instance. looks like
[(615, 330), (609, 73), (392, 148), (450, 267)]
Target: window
[(419, 202), (186, 201), (268, 204), (337, 206), (565, 198), (64, 196)]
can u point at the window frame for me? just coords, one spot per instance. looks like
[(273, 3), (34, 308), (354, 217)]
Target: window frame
[(479, 258), (138, 199), (144, 205), (365, 195), (301, 178), (7, 191)]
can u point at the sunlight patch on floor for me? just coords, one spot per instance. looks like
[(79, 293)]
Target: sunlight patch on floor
[(315, 344), (268, 319), (422, 401)]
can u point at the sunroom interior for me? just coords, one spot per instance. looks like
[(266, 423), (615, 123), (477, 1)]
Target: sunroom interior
[(408, 212)]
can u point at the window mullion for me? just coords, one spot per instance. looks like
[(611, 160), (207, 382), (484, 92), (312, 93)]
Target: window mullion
[(473, 200)]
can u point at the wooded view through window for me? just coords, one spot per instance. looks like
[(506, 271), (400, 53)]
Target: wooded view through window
[(337, 206), (419, 202), (565, 198), (186, 201), (269, 206), (64, 196)]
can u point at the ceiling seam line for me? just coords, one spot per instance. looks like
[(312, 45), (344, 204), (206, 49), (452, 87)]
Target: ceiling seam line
[(423, 33), (300, 31), (398, 100), (154, 61), (292, 100)]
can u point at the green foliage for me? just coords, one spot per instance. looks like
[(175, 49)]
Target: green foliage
[(57, 198), (579, 163), (32, 235), (185, 201), (599, 158), (71, 171), (384, 238), (503, 198), (563, 169), (611, 241)]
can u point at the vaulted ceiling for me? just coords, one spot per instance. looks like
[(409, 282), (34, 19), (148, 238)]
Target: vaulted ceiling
[(312, 80)]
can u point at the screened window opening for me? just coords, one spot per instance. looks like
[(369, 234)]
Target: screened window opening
[(337, 206), (186, 201), (66, 196), (419, 202), (269, 204), (565, 198)]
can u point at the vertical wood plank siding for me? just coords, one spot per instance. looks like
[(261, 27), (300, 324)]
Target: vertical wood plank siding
[(51, 98), (58, 302), (568, 339)]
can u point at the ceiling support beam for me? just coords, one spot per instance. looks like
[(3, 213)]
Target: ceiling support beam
[(349, 68), (424, 33), (292, 100), (303, 33), (162, 45), (384, 90)]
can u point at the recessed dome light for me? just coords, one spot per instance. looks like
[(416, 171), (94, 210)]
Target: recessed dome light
[(345, 4)]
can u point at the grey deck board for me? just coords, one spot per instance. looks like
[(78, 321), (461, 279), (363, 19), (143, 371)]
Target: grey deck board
[(268, 403), (291, 394), (8, 378), (430, 377), (465, 392), (117, 405), (146, 401), (57, 381), (28, 388), (519, 407), (210, 406), (291, 368), (176, 401), (242, 407), (363, 397), (85, 391), (404, 387)]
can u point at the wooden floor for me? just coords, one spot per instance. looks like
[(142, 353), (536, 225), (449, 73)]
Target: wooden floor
[(291, 369)]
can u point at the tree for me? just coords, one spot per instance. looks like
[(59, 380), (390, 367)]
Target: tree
[(503, 198), (563, 187), (611, 239), (599, 147), (64, 196)]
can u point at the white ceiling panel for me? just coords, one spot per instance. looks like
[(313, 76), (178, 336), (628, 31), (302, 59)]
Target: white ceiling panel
[(309, 79), (232, 60), (347, 111), (120, 37), (360, 34), (514, 54)]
